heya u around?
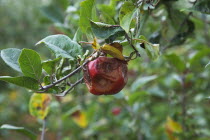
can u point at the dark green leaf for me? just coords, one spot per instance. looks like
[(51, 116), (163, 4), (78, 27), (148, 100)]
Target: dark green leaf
[(176, 61), (62, 46), (202, 6), (127, 12), (22, 81), (10, 57), (21, 130), (181, 36), (183, 26), (86, 14), (30, 63), (104, 31), (177, 18), (49, 65), (155, 37)]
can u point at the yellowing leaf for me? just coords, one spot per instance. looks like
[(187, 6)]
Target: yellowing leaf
[(80, 119), (117, 46), (111, 50), (95, 44), (172, 127), (39, 105)]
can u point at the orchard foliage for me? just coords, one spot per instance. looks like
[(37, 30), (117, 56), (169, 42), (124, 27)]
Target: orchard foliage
[(165, 44)]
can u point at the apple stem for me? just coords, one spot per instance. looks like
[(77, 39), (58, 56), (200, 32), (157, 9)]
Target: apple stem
[(72, 86)]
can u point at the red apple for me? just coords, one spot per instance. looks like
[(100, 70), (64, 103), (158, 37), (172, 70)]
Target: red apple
[(105, 76), (116, 111)]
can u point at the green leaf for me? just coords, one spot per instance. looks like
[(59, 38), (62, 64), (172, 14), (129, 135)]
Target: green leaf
[(105, 31), (202, 6), (207, 65), (54, 13), (176, 61), (152, 49), (22, 81), (78, 35), (142, 81), (108, 12), (10, 57), (136, 96), (175, 16), (62, 46), (196, 61), (183, 26), (108, 9), (127, 12), (39, 105), (30, 63), (181, 37), (85, 14), (49, 65), (21, 130)]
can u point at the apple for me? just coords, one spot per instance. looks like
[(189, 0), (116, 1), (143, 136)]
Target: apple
[(105, 76), (116, 111)]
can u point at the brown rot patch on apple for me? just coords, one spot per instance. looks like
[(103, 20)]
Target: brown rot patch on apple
[(105, 76)]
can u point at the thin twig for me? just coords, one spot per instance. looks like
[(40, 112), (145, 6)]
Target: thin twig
[(72, 86), (43, 129), (63, 78), (129, 41)]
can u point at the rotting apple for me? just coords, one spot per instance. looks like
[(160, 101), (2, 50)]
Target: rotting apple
[(105, 76)]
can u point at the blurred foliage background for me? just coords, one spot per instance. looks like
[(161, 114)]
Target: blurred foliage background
[(164, 99)]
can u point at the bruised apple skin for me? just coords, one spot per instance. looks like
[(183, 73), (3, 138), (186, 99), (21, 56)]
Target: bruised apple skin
[(105, 76)]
